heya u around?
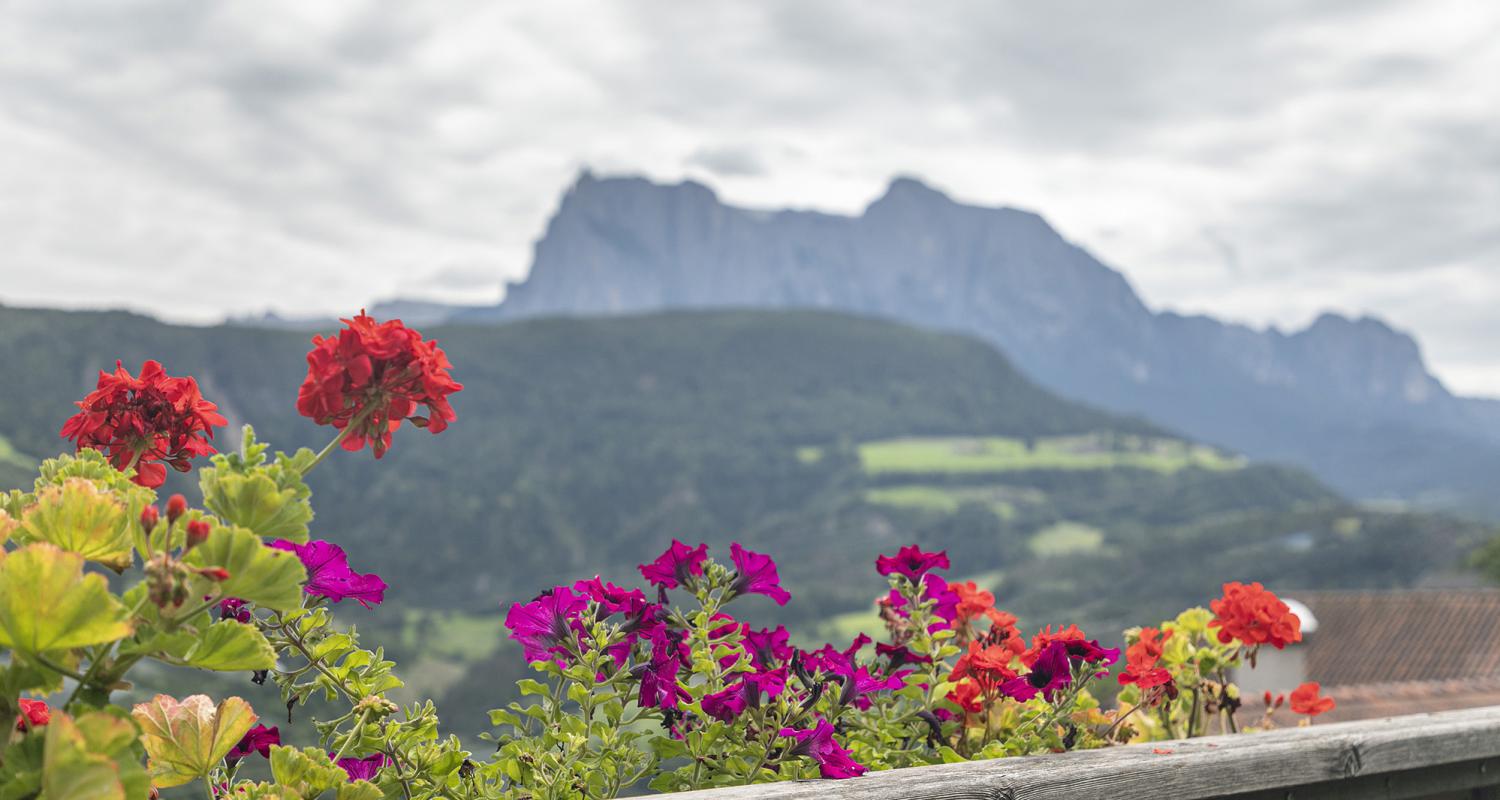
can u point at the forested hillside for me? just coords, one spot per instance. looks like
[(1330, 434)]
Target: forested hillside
[(582, 444)]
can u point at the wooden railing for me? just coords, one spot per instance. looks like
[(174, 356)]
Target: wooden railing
[(1443, 756)]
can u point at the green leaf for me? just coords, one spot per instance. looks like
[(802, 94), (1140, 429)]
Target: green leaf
[(230, 645), (92, 757), (81, 518), (47, 603), (187, 739), (307, 772), (530, 687), (257, 573), (269, 499), (21, 773), (358, 790)]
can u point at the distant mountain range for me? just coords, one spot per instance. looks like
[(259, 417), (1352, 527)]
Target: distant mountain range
[(1351, 399)]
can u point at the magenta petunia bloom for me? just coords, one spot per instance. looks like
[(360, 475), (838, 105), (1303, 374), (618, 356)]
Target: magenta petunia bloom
[(1089, 652), (676, 565), (1051, 673), (362, 769), (329, 575), (767, 648), (659, 687), (612, 599), (755, 573), (543, 625), (233, 608), (258, 739), (818, 744), (726, 704), (899, 655), (860, 684), (911, 561), (835, 662), (944, 605)]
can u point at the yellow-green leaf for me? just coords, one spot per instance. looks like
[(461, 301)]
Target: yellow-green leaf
[(81, 518), (269, 499), (48, 603), (307, 772), (269, 578), (358, 790), (230, 645), (187, 739), (92, 756)]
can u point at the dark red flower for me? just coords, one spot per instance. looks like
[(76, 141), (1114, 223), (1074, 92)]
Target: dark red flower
[(1050, 673), (154, 420), (1305, 700), (235, 609), (1255, 617), (676, 565), (372, 376), (258, 739), (911, 561), (34, 714)]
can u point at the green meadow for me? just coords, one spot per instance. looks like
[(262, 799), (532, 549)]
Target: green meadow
[(1002, 454)]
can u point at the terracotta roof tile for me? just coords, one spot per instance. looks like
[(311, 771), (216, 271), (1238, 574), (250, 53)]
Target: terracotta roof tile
[(1402, 636)]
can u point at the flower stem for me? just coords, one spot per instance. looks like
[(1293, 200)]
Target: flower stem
[(354, 734), (330, 447)]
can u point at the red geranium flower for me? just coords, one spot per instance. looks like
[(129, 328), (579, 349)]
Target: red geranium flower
[(34, 714), (1255, 617), (150, 421), (1305, 700), (371, 377)]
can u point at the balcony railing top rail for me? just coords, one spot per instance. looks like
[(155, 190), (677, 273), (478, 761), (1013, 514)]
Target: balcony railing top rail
[(1451, 754)]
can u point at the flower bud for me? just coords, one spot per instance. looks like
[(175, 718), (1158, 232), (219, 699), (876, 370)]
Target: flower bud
[(176, 507), (149, 518), (197, 533), (215, 573)]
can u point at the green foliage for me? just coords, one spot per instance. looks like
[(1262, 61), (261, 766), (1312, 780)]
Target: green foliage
[(258, 574), (48, 604), (267, 498), (186, 740), (96, 756), (230, 646)]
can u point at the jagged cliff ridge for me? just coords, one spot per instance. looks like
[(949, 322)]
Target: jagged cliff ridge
[(1322, 396)]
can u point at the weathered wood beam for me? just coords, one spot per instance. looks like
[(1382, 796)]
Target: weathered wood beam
[(1195, 769)]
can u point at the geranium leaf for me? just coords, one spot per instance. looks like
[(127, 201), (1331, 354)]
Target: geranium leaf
[(258, 574), (307, 772), (48, 603), (92, 757), (229, 646), (80, 518), (187, 739), (269, 499), (358, 790)]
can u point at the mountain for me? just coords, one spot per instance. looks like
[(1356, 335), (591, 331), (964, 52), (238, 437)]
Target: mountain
[(1330, 397)]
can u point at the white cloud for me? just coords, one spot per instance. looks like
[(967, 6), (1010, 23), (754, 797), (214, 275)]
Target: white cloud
[(1260, 161)]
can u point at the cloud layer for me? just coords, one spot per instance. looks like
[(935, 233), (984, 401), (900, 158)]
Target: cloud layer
[(1261, 162)]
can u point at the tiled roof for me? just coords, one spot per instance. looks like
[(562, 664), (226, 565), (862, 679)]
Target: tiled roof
[(1403, 636)]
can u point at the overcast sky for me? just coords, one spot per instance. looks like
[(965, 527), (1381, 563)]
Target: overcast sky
[(1260, 161)]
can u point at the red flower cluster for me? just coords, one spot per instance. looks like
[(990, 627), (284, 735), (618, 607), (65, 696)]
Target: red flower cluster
[(1255, 617), (151, 421), (371, 377), (34, 714), (1305, 700), (1142, 661)]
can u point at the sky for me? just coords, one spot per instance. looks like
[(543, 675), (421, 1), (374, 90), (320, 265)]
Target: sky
[(1260, 161)]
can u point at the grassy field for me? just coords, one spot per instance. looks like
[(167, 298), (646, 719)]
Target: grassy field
[(946, 499), (1066, 538), (1000, 454)]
